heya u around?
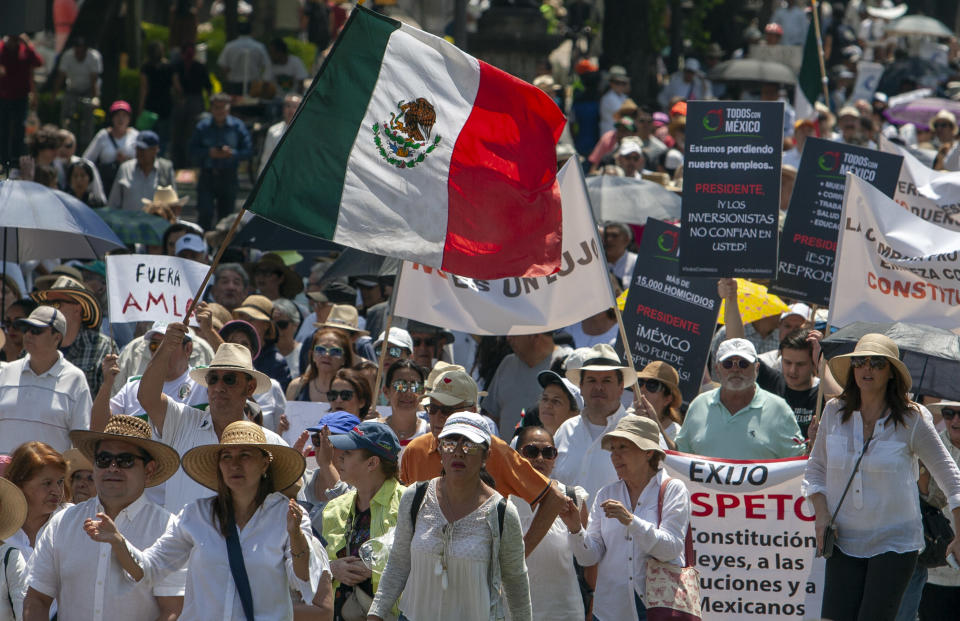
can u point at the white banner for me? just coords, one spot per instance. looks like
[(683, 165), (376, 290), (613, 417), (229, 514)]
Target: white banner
[(303, 414), (892, 265), (868, 77), (927, 193), (151, 287), (518, 305), (753, 537)]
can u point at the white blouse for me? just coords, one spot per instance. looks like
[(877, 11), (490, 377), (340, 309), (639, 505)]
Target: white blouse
[(622, 551), (211, 593), (102, 151), (13, 582), (881, 512)]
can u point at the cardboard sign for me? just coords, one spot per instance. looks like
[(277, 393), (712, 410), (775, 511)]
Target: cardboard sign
[(731, 188), (669, 317), (809, 241), (151, 287)]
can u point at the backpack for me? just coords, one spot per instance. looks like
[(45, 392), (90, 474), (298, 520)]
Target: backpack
[(421, 491)]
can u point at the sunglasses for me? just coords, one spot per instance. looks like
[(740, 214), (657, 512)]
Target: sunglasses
[(393, 351), (342, 395), (876, 362), (443, 410), (728, 364), (653, 385), (283, 324), (532, 452), (35, 330), (942, 125), (948, 413), (229, 379), (10, 325), (449, 445), (405, 386), (428, 342), (104, 460), (333, 352)]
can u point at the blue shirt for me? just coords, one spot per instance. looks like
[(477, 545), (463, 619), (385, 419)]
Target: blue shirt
[(207, 135), (765, 429)]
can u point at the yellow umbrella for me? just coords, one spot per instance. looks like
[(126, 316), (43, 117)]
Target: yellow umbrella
[(755, 302)]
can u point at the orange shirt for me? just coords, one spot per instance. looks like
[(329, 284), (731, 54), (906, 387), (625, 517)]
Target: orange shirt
[(513, 474)]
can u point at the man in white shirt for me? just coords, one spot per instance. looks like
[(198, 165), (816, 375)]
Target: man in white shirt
[(688, 84), (243, 61), (42, 395), (617, 237), (80, 573), (79, 71), (138, 179), (230, 380), (613, 98), (290, 104), (581, 460)]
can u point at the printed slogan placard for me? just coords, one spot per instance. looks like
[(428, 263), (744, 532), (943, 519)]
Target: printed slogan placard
[(916, 189), (669, 317), (151, 288), (809, 244), (753, 537), (731, 188)]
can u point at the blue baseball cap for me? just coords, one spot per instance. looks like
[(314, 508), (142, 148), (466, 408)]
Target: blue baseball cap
[(375, 437), (338, 422), (147, 139)]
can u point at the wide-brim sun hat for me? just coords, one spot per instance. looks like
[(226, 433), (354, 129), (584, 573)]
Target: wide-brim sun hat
[(13, 509), (666, 375), (642, 431), (232, 357), (135, 431), (76, 461), (260, 308), (90, 314), (939, 406), (870, 345), (290, 281), (604, 359), (202, 462), (343, 317)]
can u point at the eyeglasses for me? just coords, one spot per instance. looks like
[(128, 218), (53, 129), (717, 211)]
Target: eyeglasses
[(35, 330), (443, 410), (450, 445), (230, 379), (876, 362), (333, 352), (405, 386), (104, 460), (948, 413), (430, 342), (342, 395), (532, 452), (728, 363), (653, 385), (283, 324), (393, 351), (942, 126)]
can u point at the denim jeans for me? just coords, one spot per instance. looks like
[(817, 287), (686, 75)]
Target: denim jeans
[(911, 597)]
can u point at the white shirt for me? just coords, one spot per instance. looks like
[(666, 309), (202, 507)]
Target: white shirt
[(211, 594), (135, 356), (881, 512), (609, 104), (84, 576), (272, 404), (245, 57), (182, 389), (622, 551), (13, 581), (42, 407), (184, 428), (580, 459), (623, 269), (582, 339), (698, 88), (79, 72), (270, 143), (101, 149), (290, 75)]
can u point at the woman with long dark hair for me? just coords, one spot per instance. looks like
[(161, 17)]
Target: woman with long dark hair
[(331, 352)]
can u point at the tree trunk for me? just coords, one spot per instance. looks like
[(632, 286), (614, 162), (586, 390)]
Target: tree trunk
[(626, 24)]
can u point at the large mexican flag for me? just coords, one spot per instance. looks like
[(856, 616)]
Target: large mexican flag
[(405, 146)]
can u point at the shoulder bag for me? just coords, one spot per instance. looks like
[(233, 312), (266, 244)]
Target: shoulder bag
[(937, 535), (672, 592)]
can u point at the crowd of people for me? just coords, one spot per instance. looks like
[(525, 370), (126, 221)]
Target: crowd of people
[(145, 470)]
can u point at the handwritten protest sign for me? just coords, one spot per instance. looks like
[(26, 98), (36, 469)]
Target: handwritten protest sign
[(753, 537), (809, 240), (731, 188), (151, 288), (921, 189), (518, 305), (667, 316), (894, 265)]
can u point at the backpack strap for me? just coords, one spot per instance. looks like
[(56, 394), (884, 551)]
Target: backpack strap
[(6, 561), (501, 512), (419, 492), (688, 540)]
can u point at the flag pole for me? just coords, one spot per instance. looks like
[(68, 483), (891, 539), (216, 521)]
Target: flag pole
[(823, 67), (377, 387), (216, 261)]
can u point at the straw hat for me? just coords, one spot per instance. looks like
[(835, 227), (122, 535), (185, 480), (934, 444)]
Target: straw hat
[(46, 281), (944, 115), (286, 464), (76, 461), (642, 431), (290, 282), (136, 431), (257, 307), (603, 358), (165, 195), (936, 408), (13, 509), (343, 317), (666, 375), (90, 308), (870, 345), (232, 357)]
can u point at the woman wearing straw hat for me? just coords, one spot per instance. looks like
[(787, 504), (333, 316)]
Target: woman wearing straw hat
[(877, 525), (13, 571), (660, 386), (245, 546), (624, 528), (78, 485)]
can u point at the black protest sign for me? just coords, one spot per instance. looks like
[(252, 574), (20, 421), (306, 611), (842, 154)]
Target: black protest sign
[(809, 239), (669, 317), (731, 188)]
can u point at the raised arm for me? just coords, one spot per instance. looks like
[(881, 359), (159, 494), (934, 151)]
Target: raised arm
[(150, 395), (100, 412), (727, 288)]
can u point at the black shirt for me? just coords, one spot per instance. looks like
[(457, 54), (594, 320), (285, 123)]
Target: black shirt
[(802, 402)]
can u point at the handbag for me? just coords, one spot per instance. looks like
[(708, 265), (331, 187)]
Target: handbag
[(830, 535), (937, 535), (672, 592)]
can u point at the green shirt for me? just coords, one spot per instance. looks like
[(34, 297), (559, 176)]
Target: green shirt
[(765, 429)]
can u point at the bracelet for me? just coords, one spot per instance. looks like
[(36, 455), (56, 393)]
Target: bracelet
[(298, 555)]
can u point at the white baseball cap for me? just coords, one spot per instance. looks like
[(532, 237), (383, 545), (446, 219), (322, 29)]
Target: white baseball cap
[(737, 347), (190, 242)]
